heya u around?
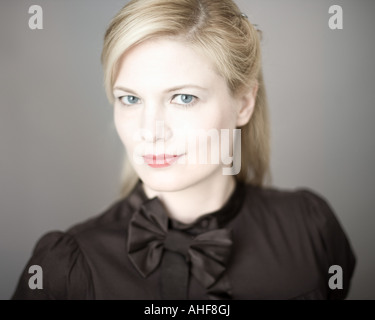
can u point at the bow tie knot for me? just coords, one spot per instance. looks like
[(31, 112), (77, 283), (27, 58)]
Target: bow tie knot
[(179, 242)]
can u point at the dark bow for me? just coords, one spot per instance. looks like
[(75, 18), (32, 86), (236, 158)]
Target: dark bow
[(207, 252)]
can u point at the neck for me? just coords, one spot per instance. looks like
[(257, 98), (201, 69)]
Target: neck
[(189, 204)]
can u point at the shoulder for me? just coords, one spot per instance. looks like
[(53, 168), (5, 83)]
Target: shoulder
[(300, 204), (299, 214), (118, 212), (64, 271), (299, 210), (66, 258), (302, 218)]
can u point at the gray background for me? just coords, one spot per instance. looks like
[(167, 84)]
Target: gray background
[(60, 157)]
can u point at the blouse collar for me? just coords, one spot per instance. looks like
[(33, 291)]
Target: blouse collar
[(207, 221)]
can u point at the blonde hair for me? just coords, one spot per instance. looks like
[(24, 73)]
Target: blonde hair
[(221, 32)]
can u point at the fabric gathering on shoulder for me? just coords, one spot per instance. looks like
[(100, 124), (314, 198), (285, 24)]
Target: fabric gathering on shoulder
[(66, 274)]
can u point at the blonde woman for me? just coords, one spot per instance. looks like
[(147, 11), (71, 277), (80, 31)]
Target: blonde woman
[(195, 220)]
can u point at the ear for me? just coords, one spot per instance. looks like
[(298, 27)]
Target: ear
[(246, 105)]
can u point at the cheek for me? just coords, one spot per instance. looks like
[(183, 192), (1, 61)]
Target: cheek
[(216, 118), (125, 129), (211, 135)]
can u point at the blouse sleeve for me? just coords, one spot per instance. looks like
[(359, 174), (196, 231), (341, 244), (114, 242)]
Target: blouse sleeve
[(65, 272), (334, 239)]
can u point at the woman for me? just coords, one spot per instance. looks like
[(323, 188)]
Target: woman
[(195, 220)]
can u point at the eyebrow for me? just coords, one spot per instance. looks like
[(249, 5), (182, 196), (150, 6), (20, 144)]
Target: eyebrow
[(165, 91)]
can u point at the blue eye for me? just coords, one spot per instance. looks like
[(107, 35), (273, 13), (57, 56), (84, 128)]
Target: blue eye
[(129, 100), (185, 99)]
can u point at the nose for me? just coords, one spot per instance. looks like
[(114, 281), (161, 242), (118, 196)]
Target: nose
[(154, 127)]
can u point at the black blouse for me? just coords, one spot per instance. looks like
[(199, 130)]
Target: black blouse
[(263, 244)]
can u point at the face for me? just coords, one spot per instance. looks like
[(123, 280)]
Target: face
[(170, 109)]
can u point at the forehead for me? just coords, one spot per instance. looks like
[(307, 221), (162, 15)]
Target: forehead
[(162, 62)]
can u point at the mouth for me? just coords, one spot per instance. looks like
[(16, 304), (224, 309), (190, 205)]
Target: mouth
[(161, 160)]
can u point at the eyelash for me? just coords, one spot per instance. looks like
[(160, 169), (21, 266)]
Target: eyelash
[(194, 101)]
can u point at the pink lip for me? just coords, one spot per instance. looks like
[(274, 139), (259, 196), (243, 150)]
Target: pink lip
[(161, 160)]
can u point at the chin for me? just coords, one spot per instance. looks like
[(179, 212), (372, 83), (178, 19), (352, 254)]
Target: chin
[(163, 181), (163, 184)]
